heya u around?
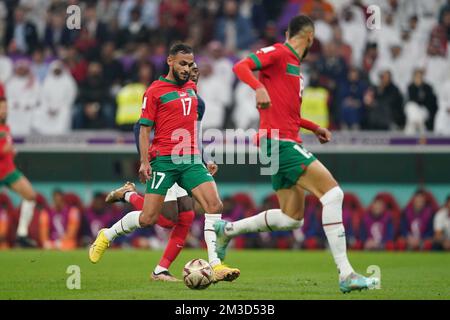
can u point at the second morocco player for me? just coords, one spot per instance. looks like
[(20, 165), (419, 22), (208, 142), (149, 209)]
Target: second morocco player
[(278, 97)]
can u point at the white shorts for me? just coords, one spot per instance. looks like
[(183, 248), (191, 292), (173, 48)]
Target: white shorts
[(174, 193)]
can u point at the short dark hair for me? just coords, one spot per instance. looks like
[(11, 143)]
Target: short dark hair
[(180, 47), (298, 24), (2, 99)]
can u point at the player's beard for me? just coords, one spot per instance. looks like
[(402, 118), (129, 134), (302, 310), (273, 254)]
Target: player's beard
[(178, 79)]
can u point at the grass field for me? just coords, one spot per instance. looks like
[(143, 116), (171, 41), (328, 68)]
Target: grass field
[(272, 275)]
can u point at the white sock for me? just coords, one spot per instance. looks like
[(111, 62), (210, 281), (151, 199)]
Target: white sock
[(26, 215), (125, 225), (269, 220), (210, 238), (159, 269), (128, 195), (334, 229)]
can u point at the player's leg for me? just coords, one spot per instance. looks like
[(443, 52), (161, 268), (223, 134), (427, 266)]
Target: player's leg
[(208, 197), (180, 223), (196, 179), (319, 181), (22, 186), (291, 165), (162, 179)]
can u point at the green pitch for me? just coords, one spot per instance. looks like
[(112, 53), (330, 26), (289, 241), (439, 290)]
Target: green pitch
[(265, 274)]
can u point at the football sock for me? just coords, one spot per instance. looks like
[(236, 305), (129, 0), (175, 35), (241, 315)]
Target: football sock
[(210, 238), (127, 196), (159, 269), (125, 225), (177, 238), (334, 229), (269, 220), (26, 215)]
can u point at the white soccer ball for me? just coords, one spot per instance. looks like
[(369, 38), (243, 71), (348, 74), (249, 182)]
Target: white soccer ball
[(198, 274)]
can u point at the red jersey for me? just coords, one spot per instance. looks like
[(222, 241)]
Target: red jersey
[(279, 67), (172, 110), (6, 159)]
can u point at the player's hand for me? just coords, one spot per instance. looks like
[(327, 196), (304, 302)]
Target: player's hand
[(144, 172), (323, 134), (212, 168), (262, 98)]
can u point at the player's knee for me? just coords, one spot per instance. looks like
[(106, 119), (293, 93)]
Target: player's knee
[(147, 220), (333, 196), (186, 218), (215, 206)]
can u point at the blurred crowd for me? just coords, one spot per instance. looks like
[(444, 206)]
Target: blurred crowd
[(67, 223), (357, 76)]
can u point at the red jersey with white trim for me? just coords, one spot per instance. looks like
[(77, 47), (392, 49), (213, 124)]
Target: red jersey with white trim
[(6, 159), (279, 67), (172, 111)]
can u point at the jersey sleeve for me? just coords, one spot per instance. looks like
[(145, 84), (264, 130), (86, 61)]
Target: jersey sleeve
[(148, 113), (265, 57)]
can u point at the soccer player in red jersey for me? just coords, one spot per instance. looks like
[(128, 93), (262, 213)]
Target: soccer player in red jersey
[(279, 98), (15, 180), (170, 107), (177, 212)]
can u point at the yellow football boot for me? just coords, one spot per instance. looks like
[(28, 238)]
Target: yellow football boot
[(99, 246), (222, 272)]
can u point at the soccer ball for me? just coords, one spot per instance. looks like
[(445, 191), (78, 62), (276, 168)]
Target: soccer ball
[(198, 274)]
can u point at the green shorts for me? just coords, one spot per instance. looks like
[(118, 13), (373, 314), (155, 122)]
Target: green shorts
[(290, 163), (10, 178), (190, 173)]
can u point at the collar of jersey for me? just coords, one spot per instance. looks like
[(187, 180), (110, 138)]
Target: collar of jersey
[(292, 50), (161, 78)]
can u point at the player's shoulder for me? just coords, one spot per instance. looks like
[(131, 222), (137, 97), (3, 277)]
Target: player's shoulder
[(276, 48), (190, 85)]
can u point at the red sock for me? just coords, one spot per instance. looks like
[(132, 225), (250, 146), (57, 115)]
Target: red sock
[(137, 201), (177, 238)]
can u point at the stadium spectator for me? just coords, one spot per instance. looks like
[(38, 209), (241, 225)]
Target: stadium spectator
[(23, 93), (384, 105), (441, 227), (39, 65), (113, 74), (442, 118), (75, 62), (109, 10), (6, 67), (56, 33), (21, 35), (173, 19), (59, 90), (90, 116), (354, 32), (149, 9), (93, 32), (333, 70), (350, 100), (315, 101), (214, 92), (417, 223), (135, 31), (437, 66), (94, 89), (377, 230), (232, 29), (59, 225), (245, 113), (314, 237), (343, 48), (129, 98), (254, 11), (422, 111)]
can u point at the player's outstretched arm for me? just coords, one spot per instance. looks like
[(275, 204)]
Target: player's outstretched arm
[(244, 71)]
